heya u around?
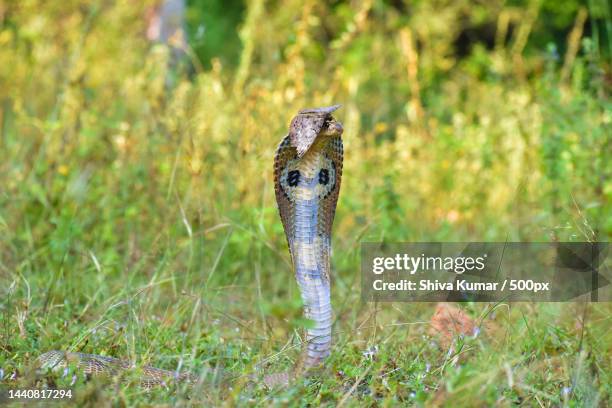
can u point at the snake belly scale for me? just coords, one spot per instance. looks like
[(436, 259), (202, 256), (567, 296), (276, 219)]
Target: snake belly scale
[(307, 177)]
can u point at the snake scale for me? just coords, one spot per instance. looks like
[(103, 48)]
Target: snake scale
[(307, 176)]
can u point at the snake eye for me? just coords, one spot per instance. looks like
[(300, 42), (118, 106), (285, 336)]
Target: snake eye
[(324, 177), (293, 178)]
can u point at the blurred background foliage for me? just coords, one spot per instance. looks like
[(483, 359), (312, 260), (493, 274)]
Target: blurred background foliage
[(464, 120)]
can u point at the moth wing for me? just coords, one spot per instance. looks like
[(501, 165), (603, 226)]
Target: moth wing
[(325, 110), (304, 130)]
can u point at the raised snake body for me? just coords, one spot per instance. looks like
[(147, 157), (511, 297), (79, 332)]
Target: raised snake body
[(307, 176)]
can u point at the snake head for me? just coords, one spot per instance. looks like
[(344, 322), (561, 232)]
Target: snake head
[(312, 124)]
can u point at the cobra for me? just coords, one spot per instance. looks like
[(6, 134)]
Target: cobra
[(307, 176)]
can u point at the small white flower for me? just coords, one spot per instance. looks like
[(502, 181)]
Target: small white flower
[(370, 352), (74, 378)]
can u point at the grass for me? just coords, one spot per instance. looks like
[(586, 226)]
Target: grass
[(137, 216)]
